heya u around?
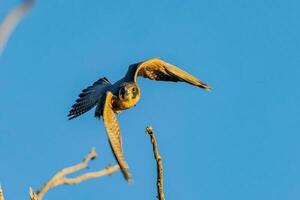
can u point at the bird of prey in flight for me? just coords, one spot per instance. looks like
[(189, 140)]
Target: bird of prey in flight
[(110, 99)]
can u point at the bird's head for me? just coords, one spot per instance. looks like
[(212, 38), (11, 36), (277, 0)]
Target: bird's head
[(129, 91)]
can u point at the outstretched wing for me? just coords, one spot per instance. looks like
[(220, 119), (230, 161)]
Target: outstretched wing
[(114, 134), (157, 69), (89, 97)]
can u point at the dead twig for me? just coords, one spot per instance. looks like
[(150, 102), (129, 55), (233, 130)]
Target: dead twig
[(160, 178), (60, 177), (11, 21)]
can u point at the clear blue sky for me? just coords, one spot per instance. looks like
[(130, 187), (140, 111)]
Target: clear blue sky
[(240, 141)]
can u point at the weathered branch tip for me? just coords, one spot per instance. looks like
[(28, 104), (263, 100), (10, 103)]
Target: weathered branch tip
[(32, 194), (149, 130)]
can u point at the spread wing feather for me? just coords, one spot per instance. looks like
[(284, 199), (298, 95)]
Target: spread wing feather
[(157, 69), (114, 134), (89, 97)]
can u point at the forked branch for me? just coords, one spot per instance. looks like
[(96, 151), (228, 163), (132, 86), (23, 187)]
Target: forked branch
[(60, 177)]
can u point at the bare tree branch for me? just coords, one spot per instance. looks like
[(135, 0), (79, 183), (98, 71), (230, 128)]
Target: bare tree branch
[(160, 178), (11, 21), (1, 193), (60, 177)]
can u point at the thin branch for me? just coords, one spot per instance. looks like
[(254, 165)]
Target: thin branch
[(11, 21), (71, 181), (160, 178), (1, 193), (60, 177), (32, 194)]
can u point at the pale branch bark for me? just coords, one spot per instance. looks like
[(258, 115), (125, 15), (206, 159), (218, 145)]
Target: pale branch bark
[(60, 177), (1, 193), (11, 21), (160, 178)]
